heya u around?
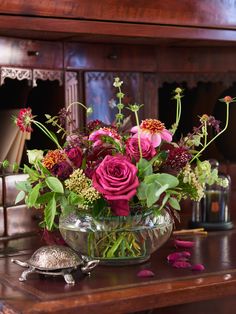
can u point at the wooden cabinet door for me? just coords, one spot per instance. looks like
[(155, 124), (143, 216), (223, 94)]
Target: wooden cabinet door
[(100, 94)]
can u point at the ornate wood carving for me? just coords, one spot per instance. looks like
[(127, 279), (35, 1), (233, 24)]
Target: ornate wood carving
[(16, 73), (51, 75), (193, 78), (71, 96)]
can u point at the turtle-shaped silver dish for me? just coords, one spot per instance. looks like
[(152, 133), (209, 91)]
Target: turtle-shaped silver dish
[(56, 260)]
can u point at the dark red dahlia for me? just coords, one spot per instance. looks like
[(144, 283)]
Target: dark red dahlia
[(62, 170), (178, 158), (94, 125)]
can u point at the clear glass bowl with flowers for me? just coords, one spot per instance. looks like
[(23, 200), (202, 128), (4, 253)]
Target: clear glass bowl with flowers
[(114, 192)]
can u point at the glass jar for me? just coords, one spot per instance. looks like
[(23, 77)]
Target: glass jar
[(212, 212), (116, 240)]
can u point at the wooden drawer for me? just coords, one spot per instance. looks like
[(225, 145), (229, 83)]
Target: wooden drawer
[(30, 53), (10, 188), (21, 219), (107, 57), (1, 194), (1, 222)]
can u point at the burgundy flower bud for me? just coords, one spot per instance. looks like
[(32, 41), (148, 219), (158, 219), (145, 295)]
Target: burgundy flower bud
[(62, 170), (75, 155)]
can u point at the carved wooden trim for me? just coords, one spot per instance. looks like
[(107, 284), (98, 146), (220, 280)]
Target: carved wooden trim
[(15, 73), (71, 96), (192, 79), (51, 75)]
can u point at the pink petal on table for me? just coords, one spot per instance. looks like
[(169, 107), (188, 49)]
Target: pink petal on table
[(181, 264), (184, 244), (198, 267), (178, 255), (145, 273)]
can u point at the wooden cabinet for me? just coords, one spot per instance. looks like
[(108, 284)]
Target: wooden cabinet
[(30, 53)]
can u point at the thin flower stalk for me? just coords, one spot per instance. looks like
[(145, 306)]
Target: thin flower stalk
[(47, 132), (227, 101), (178, 97), (135, 108), (120, 106)]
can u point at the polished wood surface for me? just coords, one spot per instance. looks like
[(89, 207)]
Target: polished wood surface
[(118, 289), (108, 32), (213, 13), (201, 22)]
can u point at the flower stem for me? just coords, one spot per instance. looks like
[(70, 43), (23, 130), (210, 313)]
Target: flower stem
[(139, 135), (47, 132), (217, 135), (76, 103), (178, 110)]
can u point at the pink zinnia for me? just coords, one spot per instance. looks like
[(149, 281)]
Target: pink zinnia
[(97, 135), (154, 130)]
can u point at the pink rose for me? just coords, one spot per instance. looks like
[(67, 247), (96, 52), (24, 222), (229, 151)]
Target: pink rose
[(116, 179), (132, 149), (75, 155)]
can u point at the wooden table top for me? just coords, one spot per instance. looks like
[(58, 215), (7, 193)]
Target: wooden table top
[(112, 289)]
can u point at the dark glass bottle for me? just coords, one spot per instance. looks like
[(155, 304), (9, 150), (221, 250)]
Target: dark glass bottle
[(212, 212)]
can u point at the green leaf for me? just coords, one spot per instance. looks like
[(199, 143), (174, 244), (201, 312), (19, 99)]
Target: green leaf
[(174, 203), (154, 192), (20, 196), (144, 167), (45, 198), (165, 200), (23, 185), (33, 195), (50, 212), (54, 184), (141, 191), (33, 174), (74, 198), (163, 179)]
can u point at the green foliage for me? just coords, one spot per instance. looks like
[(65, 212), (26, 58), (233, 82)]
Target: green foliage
[(50, 212), (54, 184), (154, 185)]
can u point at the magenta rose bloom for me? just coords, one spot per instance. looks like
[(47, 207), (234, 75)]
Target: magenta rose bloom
[(75, 155), (116, 179), (132, 148)]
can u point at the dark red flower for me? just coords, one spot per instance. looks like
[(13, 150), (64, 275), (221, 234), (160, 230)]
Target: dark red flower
[(24, 119), (75, 155), (62, 170), (178, 158), (94, 125)]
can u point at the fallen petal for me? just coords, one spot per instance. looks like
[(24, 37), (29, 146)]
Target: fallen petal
[(181, 264), (198, 267), (185, 244), (145, 273), (178, 255)]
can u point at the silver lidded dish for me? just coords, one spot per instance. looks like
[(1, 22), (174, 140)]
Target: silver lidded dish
[(56, 260)]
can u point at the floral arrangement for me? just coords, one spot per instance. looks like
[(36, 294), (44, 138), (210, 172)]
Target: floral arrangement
[(110, 170)]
